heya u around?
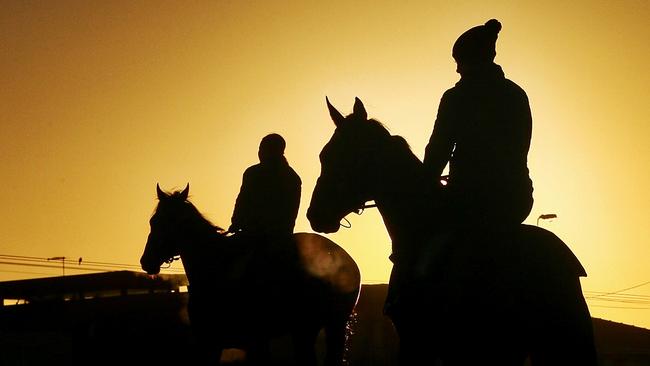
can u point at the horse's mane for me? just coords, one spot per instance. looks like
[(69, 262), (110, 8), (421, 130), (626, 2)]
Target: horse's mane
[(198, 216), (379, 129)]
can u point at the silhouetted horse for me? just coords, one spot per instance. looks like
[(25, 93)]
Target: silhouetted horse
[(474, 297), (243, 293)]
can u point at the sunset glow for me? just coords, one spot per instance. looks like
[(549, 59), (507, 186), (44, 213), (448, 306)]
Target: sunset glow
[(102, 100)]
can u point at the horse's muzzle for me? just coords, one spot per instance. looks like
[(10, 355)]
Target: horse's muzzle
[(319, 224), (149, 265), (149, 268)]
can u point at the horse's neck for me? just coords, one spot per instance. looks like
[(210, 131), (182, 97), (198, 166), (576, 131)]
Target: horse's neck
[(201, 251), (400, 195)]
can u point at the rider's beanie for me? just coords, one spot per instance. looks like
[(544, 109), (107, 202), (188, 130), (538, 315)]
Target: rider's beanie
[(478, 44), (272, 146)]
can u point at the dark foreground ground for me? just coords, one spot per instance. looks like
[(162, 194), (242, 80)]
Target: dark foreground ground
[(152, 328)]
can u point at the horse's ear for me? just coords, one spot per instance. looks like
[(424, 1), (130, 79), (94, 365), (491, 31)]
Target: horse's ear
[(359, 110), (337, 117), (161, 195), (186, 192)]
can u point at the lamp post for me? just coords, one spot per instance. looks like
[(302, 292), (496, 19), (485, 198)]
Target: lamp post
[(62, 259), (546, 217)]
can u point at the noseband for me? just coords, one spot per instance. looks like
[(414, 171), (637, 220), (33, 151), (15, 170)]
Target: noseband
[(170, 260), (357, 211)]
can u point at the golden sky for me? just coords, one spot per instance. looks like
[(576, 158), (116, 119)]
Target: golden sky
[(99, 101)]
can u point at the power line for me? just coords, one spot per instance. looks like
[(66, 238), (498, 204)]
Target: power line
[(26, 272), (99, 266), (78, 268), (66, 260), (624, 298), (598, 293), (619, 291), (619, 307), (618, 297), (92, 266), (640, 302)]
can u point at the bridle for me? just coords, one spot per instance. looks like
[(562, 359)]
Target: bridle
[(357, 211), (444, 181), (171, 260), (367, 205)]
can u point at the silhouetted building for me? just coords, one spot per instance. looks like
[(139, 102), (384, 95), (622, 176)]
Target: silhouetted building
[(88, 286), (101, 318), (131, 318)]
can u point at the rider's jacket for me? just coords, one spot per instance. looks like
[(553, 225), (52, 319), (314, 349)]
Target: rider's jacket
[(483, 129)]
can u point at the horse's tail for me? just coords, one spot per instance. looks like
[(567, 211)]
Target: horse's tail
[(338, 330)]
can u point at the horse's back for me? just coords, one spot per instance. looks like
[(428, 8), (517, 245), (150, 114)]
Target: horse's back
[(525, 265), (526, 254), (272, 288), (323, 259), (291, 265), (544, 249)]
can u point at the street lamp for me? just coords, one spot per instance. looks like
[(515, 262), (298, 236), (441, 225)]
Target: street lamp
[(62, 259), (546, 217)]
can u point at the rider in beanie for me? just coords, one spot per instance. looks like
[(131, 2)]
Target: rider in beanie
[(483, 130)]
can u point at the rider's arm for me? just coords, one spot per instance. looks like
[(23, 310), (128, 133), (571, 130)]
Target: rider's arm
[(441, 144), (527, 124), (243, 203), (287, 212)]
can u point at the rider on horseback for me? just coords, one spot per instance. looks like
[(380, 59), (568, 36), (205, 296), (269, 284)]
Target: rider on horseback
[(483, 129), (269, 198), (266, 208)]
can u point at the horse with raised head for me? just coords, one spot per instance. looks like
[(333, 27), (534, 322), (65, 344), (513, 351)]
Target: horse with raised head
[(243, 293), (476, 296)]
